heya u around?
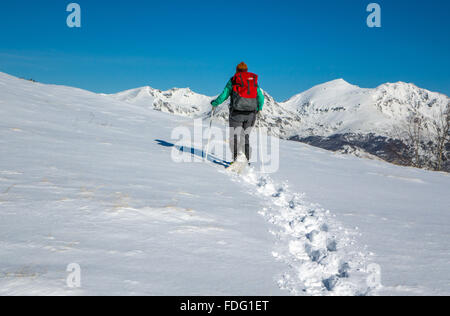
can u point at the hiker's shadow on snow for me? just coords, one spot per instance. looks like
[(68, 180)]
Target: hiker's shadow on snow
[(194, 152)]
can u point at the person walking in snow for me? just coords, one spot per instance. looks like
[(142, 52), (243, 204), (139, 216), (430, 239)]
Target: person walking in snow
[(247, 101)]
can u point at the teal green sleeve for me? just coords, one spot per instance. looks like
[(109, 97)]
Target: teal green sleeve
[(224, 96), (260, 99)]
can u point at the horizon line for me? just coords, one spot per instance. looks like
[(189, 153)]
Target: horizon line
[(180, 88)]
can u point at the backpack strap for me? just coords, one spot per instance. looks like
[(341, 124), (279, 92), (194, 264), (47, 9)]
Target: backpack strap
[(242, 81)]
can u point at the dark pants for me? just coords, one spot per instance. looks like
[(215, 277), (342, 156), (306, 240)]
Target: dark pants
[(241, 124)]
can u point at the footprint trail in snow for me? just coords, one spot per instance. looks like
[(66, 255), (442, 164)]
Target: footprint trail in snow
[(322, 258)]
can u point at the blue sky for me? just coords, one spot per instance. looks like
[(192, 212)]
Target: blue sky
[(292, 45)]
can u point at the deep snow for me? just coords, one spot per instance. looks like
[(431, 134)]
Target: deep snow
[(85, 180), (88, 179)]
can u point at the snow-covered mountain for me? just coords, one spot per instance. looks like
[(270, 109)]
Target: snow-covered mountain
[(342, 117), (175, 101), (339, 107), (336, 115), (87, 179)]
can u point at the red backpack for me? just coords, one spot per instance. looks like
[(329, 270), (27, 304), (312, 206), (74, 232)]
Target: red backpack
[(245, 92)]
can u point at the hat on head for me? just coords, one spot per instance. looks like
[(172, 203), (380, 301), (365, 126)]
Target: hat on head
[(242, 67)]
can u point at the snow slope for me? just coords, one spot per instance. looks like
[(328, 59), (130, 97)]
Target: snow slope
[(87, 179), (401, 213)]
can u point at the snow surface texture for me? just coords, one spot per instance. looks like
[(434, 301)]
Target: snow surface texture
[(88, 179), (335, 115), (321, 260)]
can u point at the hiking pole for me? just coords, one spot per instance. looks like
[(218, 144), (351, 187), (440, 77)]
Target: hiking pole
[(210, 132), (261, 157)]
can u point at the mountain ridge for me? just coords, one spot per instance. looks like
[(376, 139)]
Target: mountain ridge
[(338, 80)]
